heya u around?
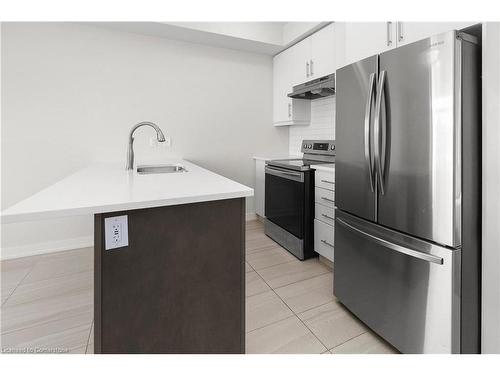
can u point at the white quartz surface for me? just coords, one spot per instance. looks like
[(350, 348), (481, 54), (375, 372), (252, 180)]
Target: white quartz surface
[(330, 167), (265, 158), (108, 187)]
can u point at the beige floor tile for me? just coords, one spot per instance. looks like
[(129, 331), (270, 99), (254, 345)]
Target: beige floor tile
[(80, 350), (263, 309), (306, 294), (28, 292), (258, 244), (291, 272), (286, 336), (90, 348), (255, 284), (60, 264), (253, 224), (12, 271), (332, 324), (91, 336), (366, 343), (248, 268), (62, 334), (26, 315), (268, 258)]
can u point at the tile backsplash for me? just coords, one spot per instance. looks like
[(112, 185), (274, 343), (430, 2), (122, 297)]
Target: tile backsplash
[(322, 124)]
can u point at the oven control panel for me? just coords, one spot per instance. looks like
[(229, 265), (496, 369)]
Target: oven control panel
[(318, 147)]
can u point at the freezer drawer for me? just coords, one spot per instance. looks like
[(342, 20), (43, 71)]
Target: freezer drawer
[(324, 196), (323, 239), (405, 289)]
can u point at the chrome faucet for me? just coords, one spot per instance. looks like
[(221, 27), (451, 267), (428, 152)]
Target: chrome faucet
[(130, 153)]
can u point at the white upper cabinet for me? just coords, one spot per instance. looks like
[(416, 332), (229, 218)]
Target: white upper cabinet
[(323, 52), (364, 39), (409, 32), (310, 58), (301, 60), (288, 111)]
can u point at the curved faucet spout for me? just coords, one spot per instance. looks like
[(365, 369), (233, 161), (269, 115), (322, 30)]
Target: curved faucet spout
[(130, 152)]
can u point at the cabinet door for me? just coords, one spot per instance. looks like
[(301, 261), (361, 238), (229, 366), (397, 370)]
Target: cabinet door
[(286, 73), (300, 60), (409, 32), (364, 39), (281, 87), (323, 52)]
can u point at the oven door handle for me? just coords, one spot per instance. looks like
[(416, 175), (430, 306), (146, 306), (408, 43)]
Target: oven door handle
[(296, 176)]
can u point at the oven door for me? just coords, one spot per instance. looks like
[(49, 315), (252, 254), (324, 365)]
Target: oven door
[(285, 196)]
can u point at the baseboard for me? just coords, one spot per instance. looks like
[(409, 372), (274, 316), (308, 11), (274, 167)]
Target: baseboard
[(12, 252)]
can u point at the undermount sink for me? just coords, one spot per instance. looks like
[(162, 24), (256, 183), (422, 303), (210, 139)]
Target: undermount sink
[(163, 168)]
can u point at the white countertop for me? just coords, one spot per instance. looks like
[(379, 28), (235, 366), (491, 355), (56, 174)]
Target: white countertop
[(265, 158), (330, 167), (108, 187)]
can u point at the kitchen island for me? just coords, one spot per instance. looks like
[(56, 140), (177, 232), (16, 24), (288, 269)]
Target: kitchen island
[(176, 283)]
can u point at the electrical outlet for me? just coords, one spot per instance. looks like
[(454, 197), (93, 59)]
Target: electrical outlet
[(116, 231)]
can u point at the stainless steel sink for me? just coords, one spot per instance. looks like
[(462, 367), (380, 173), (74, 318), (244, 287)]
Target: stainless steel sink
[(162, 168)]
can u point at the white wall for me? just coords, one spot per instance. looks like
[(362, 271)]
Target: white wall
[(71, 92), (491, 189), (322, 124), (266, 32)]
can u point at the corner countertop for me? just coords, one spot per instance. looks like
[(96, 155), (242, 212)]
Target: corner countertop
[(108, 187), (330, 167)]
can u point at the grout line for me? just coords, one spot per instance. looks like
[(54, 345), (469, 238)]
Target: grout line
[(293, 312), (88, 337), (19, 283), (352, 338)]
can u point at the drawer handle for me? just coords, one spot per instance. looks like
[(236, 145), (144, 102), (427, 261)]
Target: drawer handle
[(328, 216), (327, 182), (328, 199), (327, 243)]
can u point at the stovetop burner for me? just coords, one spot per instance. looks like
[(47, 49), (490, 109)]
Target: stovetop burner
[(315, 152)]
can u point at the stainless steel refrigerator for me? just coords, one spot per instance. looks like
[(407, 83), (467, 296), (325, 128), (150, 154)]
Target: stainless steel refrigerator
[(407, 227)]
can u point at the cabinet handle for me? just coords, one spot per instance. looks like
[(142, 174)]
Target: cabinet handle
[(327, 243), (289, 109), (400, 32), (312, 68), (328, 216), (389, 34), (307, 69), (328, 199), (327, 182)]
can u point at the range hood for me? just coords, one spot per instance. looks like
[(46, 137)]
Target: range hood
[(317, 88)]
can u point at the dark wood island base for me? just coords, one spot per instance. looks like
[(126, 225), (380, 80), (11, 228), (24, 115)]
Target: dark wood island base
[(179, 286)]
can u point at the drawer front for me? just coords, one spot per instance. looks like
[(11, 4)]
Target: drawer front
[(323, 239), (324, 196), (325, 180), (324, 214)]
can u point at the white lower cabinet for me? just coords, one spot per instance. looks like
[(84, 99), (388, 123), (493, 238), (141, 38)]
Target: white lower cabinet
[(323, 239), (260, 186), (324, 213)]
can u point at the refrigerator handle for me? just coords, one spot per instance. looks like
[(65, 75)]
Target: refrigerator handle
[(380, 148), (368, 110), (400, 249)]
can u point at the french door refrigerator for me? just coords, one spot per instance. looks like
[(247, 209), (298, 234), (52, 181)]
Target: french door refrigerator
[(407, 226)]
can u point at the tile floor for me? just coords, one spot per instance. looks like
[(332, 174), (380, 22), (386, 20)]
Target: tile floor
[(47, 304)]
